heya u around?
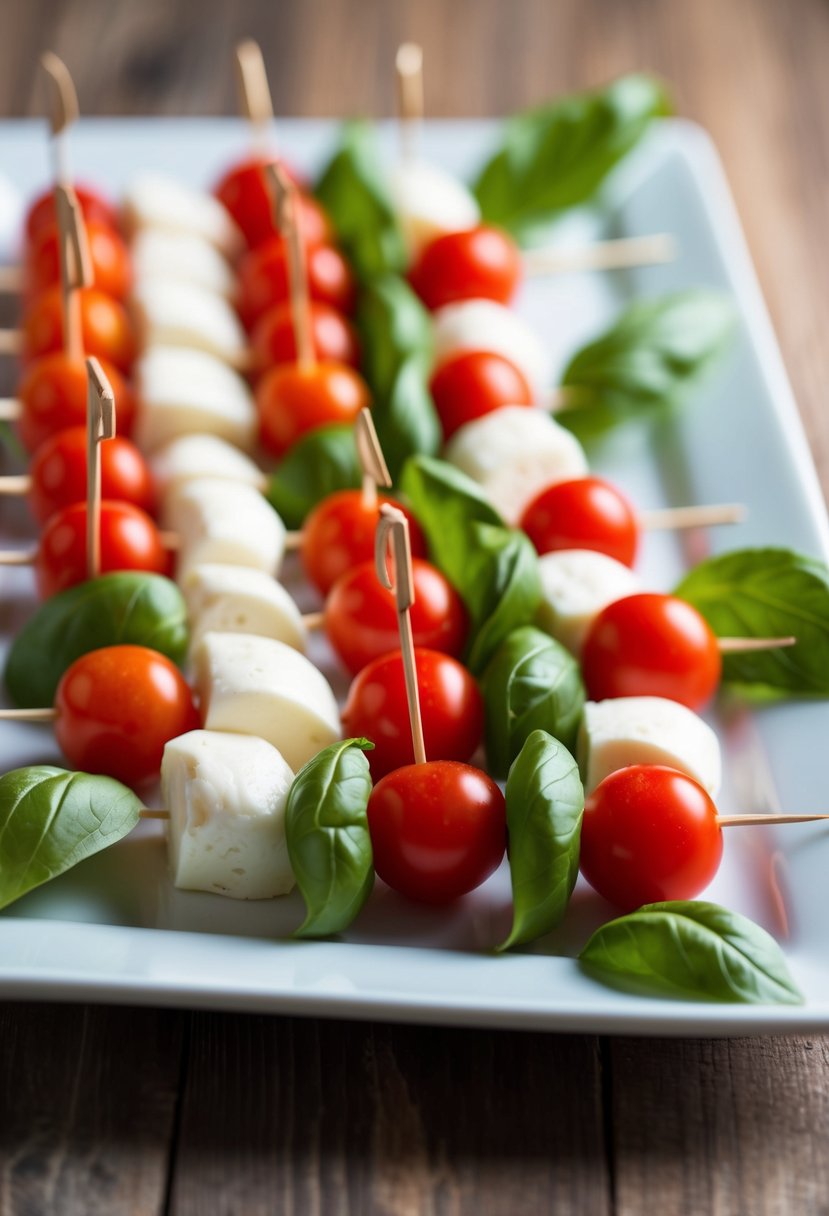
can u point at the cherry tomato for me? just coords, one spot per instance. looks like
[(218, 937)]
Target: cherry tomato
[(112, 270), (118, 707), (334, 338), (450, 703), (437, 830), (585, 513), (129, 541), (293, 400), (263, 279), (339, 534), (649, 834), (361, 618), (244, 193), (94, 207), (651, 645), (106, 328), (53, 396), (58, 473), (473, 264), (473, 384)]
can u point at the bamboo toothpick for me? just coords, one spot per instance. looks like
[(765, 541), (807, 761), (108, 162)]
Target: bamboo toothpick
[(370, 454), (286, 218), (63, 111), (393, 548), (704, 516), (28, 715), (614, 254), (150, 813), (10, 409), (746, 645), (100, 425), (409, 69), (11, 280), (15, 484), (254, 92), (11, 341), (75, 267), (733, 821)]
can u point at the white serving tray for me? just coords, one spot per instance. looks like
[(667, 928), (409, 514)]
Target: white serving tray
[(114, 929)]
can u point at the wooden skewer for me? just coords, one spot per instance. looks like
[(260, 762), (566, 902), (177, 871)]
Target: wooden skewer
[(63, 111), (370, 454), (100, 425), (254, 93), (11, 341), (148, 813), (11, 280), (28, 715), (286, 218), (703, 516), (10, 409), (75, 267), (653, 250), (745, 645), (734, 821), (393, 549), (409, 70)]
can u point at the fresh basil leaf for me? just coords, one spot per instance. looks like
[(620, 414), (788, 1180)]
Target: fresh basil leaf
[(51, 819), (406, 420), (767, 593), (502, 589), (321, 463), (656, 351), (691, 949), (328, 838), (394, 326), (446, 504), (531, 683), (354, 193), (557, 156), (545, 804), (114, 609)]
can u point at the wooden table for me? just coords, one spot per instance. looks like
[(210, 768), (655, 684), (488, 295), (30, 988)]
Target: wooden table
[(118, 1111)]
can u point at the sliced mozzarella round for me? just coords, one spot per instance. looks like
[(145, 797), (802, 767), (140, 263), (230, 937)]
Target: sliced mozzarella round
[(429, 202), (226, 795), (576, 584), (485, 325), (238, 599), (169, 313), (192, 456), (182, 257), (224, 522), (182, 391), (514, 453), (647, 730), (258, 686), (155, 201)]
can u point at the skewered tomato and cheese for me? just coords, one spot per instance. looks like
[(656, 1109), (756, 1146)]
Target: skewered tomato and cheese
[(183, 391), (52, 395), (429, 202), (576, 584), (473, 383), (239, 599), (58, 474), (159, 203), (158, 255), (338, 534), (194, 455), (227, 522), (484, 325)]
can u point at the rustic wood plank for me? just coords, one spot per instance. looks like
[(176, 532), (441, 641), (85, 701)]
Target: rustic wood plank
[(725, 1126), (303, 1117)]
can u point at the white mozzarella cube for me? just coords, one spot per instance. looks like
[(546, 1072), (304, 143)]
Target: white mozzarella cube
[(429, 202), (182, 257), (193, 456), (153, 200), (238, 599), (170, 313), (225, 522), (576, 584), (486, 325), (184, 391), (647, 730), (258, 686), (226, 795)]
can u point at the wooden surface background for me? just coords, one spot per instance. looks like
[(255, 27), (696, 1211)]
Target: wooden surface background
[(117, 1111)]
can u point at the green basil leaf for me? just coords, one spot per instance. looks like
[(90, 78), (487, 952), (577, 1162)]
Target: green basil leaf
[(321, 462), (502, 588), (545, 804), (354, 193), (656, 351), (446, 503), (328, 838), (51, 819), (394, 326), (531, 683), (406, 420), (767, 593), (557, 156), (691, 949), (114, 609)]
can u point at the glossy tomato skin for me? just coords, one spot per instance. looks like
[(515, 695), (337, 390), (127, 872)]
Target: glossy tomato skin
[(649, 834), (475, 383), (339, 534), (293, 400), (335, 339), (111, 266), (94, 207), (361, 618), (451, 708), (651, 645), (480, 263), (58, 472), (244, 193), (118, 707), (438, 830), (129, 541), (584, 513), (263, 279), (107, 331), (53, 393)]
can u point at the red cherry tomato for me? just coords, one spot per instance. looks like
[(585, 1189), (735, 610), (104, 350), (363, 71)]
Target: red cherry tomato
[(361, 618), (649, 834), (129, 541), (585, 513), (450, 704), (94, 207), (106, 328), (334, 338), (437, 830), (339, 534), (473, 384), (651, 645), (112, 270), (263, 279), (293, 400), (244, 193), (53, 396), (58, 473), (474, 264), (118, 707)]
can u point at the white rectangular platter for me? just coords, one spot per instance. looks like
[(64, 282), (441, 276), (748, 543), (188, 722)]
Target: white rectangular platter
[(114, 929)]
